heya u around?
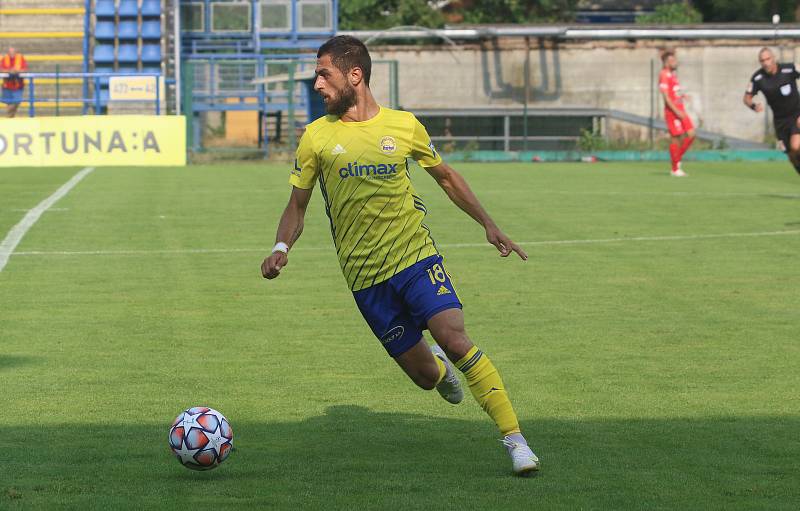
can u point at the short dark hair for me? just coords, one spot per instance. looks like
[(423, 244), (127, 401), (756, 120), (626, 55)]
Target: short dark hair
[(667, 54), (346, 53)]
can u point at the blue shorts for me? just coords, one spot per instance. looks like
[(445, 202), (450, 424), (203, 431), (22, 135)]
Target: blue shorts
[(12, 97), (397, 310)]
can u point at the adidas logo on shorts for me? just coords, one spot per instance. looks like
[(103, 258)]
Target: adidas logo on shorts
[(443, 291)]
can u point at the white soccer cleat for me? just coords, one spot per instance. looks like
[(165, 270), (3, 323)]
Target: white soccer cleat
[(678, 173), (525, 462), (450, 386)]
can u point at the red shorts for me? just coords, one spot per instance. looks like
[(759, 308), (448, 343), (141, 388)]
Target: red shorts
[(676, 125)]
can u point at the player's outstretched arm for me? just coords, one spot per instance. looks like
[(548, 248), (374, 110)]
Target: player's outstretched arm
[(456, 187), (289, 229)]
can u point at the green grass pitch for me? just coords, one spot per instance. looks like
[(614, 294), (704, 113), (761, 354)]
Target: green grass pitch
[(650, 344)]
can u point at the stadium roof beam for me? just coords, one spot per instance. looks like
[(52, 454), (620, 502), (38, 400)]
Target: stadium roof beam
[(566, 32)]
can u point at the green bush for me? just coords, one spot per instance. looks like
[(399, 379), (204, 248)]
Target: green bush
[(672, 14)]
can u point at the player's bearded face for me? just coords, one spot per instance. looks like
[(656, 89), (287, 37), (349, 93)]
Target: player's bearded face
[(339, 103)]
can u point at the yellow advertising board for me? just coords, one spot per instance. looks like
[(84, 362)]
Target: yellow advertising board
[(135, 88), (93, 140)]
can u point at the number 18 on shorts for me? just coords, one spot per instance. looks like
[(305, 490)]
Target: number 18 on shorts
[(398, 309)]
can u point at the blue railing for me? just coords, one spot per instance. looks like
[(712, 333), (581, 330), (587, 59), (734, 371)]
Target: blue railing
[(226, 77), (92, 90), (87, 29)]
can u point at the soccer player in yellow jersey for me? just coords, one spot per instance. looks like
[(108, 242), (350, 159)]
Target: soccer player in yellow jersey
[(358, 153)]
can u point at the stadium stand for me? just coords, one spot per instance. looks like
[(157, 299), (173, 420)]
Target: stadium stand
[(82, 37), (60, 48), (127, 39)]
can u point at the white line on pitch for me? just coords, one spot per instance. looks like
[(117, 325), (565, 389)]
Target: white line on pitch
[(21, 210), (17, 232), (687, 237)]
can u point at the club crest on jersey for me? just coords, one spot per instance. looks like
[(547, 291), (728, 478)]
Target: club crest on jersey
[(388, 145)]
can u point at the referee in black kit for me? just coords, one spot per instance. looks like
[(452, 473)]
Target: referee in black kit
[(778, 83)]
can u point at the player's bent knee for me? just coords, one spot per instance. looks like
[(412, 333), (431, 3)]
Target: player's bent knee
[(447, 328), (453, 340), (426, 380), (455, 345)]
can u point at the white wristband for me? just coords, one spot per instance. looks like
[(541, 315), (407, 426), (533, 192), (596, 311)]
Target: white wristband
[(280, 247)]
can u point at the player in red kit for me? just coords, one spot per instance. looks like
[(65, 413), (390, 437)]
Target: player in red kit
[(678, 121)]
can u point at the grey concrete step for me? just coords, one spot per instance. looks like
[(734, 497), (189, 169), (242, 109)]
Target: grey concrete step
[(49, 91), (39, 4), (49, 66), (45, 46), (38, 23)]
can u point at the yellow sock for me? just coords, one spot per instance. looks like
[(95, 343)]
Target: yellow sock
[(442, 369), (488, 390)]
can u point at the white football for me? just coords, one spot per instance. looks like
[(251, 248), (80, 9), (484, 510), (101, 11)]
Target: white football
[(201, 438)]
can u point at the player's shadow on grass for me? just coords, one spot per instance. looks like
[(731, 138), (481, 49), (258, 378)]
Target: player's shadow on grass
[(13, 361), (353, 458), (785, 196)]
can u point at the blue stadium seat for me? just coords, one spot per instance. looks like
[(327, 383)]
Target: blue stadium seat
[(129, 67), (128, 8), (127, 53), (151, 30), (128, 30), (151, 53), (104, 9), (104, 54), (104, 30), (151, 8), (151, 69)]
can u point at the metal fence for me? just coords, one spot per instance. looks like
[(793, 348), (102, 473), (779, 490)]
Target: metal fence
[(43, 93)]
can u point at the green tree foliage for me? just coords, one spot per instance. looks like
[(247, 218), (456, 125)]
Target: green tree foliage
[(672, 14), (747, 10), (377, 14), (519, 11), (371, 14)]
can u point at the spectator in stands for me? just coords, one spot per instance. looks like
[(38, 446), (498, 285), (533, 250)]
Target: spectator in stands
[(13, 63)]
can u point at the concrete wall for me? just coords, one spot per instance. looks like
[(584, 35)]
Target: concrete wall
[(614, 74)]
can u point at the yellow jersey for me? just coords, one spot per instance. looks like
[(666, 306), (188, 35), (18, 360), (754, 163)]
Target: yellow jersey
[(375, 214)]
